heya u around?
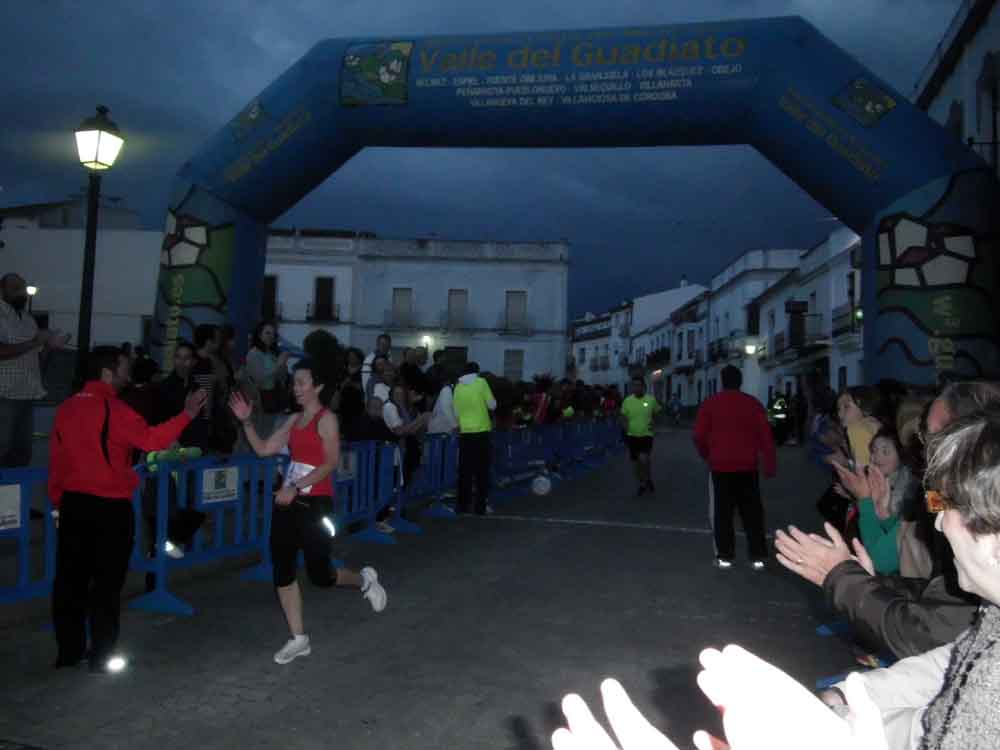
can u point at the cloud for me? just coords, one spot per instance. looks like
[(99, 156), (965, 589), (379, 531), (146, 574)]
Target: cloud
[(174, 71)]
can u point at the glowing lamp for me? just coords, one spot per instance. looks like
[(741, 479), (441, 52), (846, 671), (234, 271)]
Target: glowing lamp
[(98, 141), (750, 349)]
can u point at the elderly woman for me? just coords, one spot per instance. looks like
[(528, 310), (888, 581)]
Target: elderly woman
[(947, 699)]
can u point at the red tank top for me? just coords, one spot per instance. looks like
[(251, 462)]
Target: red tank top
[(306, 448)]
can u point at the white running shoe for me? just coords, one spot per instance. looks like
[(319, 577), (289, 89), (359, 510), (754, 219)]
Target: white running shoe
[(759, 564), (723, 564), (372, 590), (294, 648)]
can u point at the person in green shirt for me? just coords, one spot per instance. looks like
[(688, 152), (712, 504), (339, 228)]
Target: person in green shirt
[(637, 415), (473, 401)]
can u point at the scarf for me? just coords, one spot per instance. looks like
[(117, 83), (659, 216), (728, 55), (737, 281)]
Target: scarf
[(965, 714)]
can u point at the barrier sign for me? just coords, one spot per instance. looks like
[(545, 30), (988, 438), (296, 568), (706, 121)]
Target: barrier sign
[(220, 485), (10, 507)]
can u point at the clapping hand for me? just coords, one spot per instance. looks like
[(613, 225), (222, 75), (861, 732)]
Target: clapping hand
[(195, 402), (810, 555), (762, 708), (855, 482), (241, 408), (881, 494)]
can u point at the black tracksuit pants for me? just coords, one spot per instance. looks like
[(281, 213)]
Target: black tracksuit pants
[(737, 491), (474, 456), (95, 542)]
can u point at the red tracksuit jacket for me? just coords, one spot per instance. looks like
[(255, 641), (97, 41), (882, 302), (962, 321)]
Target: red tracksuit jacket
[(90, 450), (731, 431)]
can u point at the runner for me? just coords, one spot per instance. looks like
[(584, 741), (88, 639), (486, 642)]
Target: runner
[(637, 413), (303, 507)]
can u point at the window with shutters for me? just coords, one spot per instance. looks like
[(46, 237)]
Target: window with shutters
[(323, 307), (402, 306), (517, 310), (458, 306)]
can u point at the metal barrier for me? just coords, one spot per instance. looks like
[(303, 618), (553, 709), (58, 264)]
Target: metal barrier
[(16, 489), (236, 494)]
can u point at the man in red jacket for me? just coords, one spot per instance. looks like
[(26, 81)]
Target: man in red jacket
[(730, 432), (91, 482)]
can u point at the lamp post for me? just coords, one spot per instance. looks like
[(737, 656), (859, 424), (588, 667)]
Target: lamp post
[(98, 142), (32, 291)]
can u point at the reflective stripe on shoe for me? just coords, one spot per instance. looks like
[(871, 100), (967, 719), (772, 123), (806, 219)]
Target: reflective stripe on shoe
[(293, 649)]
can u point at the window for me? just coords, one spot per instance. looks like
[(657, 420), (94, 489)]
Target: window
[(841, 378), (402, 306), (458, 305), (690, 343), (513, 365), (322, 308), (727, 331), (583, 355), (770, 321), (517, 310), (812, 302), (269, 298)]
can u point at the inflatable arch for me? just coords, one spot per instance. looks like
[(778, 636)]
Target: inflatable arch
[(924, 204)]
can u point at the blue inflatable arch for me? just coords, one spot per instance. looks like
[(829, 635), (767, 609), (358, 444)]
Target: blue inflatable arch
[(924, 204)]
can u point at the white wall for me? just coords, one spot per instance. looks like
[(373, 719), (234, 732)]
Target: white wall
[(127, 264)]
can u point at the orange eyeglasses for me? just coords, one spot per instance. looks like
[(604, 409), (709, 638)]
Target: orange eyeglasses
[(936, 502)]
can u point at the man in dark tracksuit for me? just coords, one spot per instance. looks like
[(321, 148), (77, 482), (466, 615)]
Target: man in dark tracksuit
[(91, 482), (731, 432)]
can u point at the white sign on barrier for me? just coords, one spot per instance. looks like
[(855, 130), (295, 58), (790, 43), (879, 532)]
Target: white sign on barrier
[(10, 507), (220, 485)]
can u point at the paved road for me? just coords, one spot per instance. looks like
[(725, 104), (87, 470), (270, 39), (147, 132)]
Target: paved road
[(490, 621)]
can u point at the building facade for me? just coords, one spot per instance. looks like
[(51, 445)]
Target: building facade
[(500, 304), (960, 86)]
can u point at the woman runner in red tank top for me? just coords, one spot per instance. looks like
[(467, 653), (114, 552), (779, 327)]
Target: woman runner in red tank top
[(302, 516)]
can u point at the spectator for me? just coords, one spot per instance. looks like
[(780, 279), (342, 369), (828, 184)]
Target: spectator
[(201, 433), (884, 493), (904, 616), (91, 482), (436, 373), (175, 388), (948, 697), (399, 417), (411, 374), (443, 420), (637, 415), (732, 434), (856, 409), (381, 380), (473, 401), (369, 425), (351, 398), (22, 346), (383, 346), (267, 373)]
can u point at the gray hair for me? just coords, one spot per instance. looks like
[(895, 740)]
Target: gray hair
[(968, 397), (963, 464)]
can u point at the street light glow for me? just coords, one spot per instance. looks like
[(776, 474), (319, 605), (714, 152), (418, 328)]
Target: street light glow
[(750, 349), (98, 141), (426, 341), (31, 290)]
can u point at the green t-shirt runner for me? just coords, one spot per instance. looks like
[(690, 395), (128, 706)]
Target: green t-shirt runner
[(639, 412), (473, 400)]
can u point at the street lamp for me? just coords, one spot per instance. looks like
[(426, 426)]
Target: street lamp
[(750, 349), (98, 142), (32, 291)]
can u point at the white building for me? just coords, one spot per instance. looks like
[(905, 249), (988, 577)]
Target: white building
[(590, 352), (809, 321), (731, 317), (501, 304), (960, 86)]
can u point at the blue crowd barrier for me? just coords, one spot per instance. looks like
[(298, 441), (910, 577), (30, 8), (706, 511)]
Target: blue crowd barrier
[(236, 493), (17, 487)]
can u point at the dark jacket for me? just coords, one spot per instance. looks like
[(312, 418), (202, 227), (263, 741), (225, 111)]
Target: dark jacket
[(906, 616)]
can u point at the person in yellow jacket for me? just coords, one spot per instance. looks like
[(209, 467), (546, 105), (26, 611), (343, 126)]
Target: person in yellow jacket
[(473, 401)]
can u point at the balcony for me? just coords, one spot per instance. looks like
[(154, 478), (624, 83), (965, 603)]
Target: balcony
[(623, 331), (657, 359), (457, 320), (699, 359), (323, 313), (594, 364), (399, 319), (515, 325), (847, 327), (814, 331), (780, 343), (605, 362)]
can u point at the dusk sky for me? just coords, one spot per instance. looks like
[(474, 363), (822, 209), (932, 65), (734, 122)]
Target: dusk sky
[(174, 72)]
